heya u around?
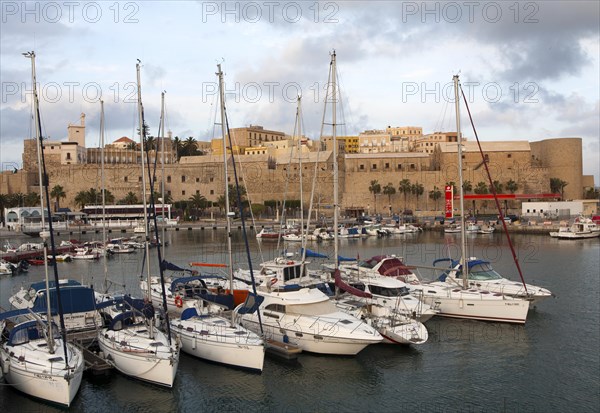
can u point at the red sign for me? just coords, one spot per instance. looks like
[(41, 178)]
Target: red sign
[(449, 201)]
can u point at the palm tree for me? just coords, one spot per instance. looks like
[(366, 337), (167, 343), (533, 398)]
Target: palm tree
[(467, 186), (417, 189), (178, 146), (4, 199), (481, 188), (497, 186), (81, 198), (130, 199), (375, 189), (109, 198), (405, 188), (435, 194), (512, 186), (190, 147), (31, 199), (58, 192), (198, 201), (389, 190), (557, 185)]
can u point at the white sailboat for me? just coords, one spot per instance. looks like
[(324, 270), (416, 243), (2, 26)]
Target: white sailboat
[(131, 342), (204, 330), (456, 298), (305, 317), (35, 359)]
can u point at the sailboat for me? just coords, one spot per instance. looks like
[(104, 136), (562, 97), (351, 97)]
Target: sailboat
[(204, 331), (453, 296), (305, 316), (35, 357), (131, 342)]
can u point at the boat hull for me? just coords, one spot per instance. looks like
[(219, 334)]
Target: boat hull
[(58, 386), (500, 310), (210, 347), (139, 361)]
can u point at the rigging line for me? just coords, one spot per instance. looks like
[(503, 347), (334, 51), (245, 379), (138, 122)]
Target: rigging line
[(493, 188)]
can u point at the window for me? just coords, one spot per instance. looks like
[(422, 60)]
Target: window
[(412, 166), (183, 179), (361, 167), (374, 166), (197, 180), (387, 165), (139, 179), (69, 156), (399, 166), (169, 178), (509, 155), (125, 179), (212, 191), (197, 192), (182, 192), (212, 179), (169, 192)]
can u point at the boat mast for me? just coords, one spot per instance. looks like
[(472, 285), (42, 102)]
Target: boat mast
[(103, 186), (299, 121), (463, 238), (162, 149), (335, 160), (142, 138), (225, 179), (43, 232)]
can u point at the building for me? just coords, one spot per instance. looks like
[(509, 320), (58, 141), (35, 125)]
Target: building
[(559, 209), (427, 143)]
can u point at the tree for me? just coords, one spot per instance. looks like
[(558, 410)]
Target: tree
[(109, 198), (467, 186), (498, 187), (81, 199), (57, 193), (481, 188), (435, 194), (190, 147), (3, 204), (405, 188), (417, 189), (375, 189), (198, 201), (389, 190), (512, 186), (178, 145), (557, 185), (130, 199), (591, 193)]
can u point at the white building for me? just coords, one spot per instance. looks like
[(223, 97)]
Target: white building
[(559, 209)]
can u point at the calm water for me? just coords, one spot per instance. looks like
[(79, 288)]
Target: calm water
[(550, 364)]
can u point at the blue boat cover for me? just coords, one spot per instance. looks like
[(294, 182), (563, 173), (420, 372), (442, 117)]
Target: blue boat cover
[(166, 265), (251, 304), (27, 331), (189, 313), (122, 320), (313, 254), (75, 299), (340, 259), (454, 263)]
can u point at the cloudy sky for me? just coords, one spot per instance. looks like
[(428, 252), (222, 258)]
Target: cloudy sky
[(531, 69)]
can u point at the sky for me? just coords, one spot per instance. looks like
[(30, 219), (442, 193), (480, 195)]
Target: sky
[(530, 69)]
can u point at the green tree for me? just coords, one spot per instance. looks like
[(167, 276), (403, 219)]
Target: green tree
[(389, 190), (591, 193), (557, 185), (435, 194), (4, 198), (130, 199), (405, 188), (198, 202), (178, 146), (417, 189), (481, 188), (375, 189), (467, 186), (512, 186), (497, 186), (57, 193), (190, 147), (81, 199)]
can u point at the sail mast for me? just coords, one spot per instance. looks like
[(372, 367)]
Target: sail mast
[(43, 233), (103, 186), (335, 160), (162, 140), (225, 179), (463, 238), (142, 138)]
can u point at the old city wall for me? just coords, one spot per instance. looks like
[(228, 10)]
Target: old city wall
[(563, 158)]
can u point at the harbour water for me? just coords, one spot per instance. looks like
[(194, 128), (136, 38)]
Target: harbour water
[(551, 364)]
